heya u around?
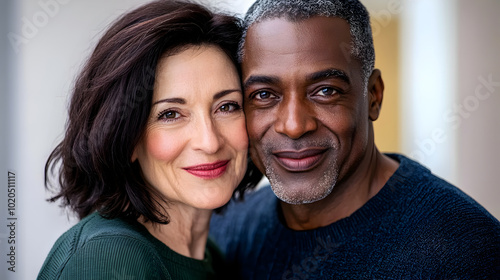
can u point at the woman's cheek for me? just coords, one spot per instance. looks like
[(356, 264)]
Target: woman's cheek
[(163, 145), (240, 136)]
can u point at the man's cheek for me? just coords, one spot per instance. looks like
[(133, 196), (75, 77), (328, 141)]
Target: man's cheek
[(257, 156)]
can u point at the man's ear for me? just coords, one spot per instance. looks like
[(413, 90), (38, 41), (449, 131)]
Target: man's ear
[(375, 94)]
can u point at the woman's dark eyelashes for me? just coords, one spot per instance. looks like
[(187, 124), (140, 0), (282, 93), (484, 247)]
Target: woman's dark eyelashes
[(168, 114), (229, 107), (172, 114)]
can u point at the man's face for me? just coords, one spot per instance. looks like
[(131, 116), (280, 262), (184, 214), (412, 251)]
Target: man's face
[(305, 103)]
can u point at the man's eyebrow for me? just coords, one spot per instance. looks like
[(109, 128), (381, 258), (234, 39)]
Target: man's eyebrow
[(260, 79), (171, 100), (335, 73)]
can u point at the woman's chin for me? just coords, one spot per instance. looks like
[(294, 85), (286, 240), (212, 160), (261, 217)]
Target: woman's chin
[(213, 201)]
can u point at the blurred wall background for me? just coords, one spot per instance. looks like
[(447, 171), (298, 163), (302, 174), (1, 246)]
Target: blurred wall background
[(439, 60)]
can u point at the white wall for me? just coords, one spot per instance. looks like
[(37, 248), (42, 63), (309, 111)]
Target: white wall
[(5, 117), (51, 40), (428, 83)]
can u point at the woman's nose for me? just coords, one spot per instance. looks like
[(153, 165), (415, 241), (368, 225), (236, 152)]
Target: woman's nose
[(206, 136)]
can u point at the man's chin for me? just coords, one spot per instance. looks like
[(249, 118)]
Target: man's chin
[(303, 187), (300, 195)]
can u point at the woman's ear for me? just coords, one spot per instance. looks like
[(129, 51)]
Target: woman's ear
[(134, 153), (375, 94)]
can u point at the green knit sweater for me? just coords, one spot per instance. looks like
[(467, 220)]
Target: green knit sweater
[(99, 248)]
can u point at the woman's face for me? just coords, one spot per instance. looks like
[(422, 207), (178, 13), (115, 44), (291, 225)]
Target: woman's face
[(194, 148)]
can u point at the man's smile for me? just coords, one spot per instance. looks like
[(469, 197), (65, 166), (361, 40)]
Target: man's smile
[(300, 161)]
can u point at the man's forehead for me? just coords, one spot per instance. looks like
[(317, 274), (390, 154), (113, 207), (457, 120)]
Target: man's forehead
[(280, 32), (315, 23), (269, 40)]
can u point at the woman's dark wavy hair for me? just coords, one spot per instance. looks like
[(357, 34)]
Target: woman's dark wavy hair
[(111, 103)]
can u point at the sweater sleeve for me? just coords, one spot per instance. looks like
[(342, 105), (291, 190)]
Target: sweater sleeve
[(114, 258)]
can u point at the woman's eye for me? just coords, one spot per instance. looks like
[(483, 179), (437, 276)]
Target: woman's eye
[(327, 91), (229, 107), (169, 115)]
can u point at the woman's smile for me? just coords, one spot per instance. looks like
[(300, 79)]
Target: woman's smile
[(209, 170)]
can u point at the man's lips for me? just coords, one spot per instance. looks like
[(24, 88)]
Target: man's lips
[(299, 161), (209, 170)]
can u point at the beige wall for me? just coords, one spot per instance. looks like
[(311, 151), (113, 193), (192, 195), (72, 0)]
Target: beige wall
[(477, 112), (386, 42)]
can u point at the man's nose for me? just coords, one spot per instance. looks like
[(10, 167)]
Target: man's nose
[(295, 117)]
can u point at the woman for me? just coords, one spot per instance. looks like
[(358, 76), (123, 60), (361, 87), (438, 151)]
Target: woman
[(155, 141)]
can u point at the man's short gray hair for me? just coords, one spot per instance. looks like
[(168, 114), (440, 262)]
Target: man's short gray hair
[(295, 10)]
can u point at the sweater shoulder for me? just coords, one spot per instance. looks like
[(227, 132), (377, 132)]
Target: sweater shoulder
[(441, 222), (112, 247), (445, 210), (430, 194), (96, 229)]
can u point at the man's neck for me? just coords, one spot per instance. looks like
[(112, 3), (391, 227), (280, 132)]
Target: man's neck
[(347, 197)]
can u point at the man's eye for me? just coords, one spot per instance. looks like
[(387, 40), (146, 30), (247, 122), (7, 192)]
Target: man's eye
[(263, 95), (327, 91)]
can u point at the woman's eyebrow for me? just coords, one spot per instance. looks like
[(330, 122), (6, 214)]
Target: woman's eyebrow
[(223, 93), (179, 100), (171, 100)]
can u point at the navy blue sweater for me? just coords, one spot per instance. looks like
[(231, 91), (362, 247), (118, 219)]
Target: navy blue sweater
[(417, 227)]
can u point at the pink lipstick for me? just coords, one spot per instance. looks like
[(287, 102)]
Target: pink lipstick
[(209, 170), (299, 161)]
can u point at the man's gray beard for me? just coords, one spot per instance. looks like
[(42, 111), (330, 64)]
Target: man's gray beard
[(315, 191)]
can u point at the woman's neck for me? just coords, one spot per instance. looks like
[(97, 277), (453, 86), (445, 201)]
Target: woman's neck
[(187, 231)]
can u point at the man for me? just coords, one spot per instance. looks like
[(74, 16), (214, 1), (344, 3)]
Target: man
[(340, 209)]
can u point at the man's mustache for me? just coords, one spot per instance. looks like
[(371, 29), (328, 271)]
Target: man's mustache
[(270, 146)]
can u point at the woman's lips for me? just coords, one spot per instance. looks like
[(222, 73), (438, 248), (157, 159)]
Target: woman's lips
[(299, 161), (209, 170)]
